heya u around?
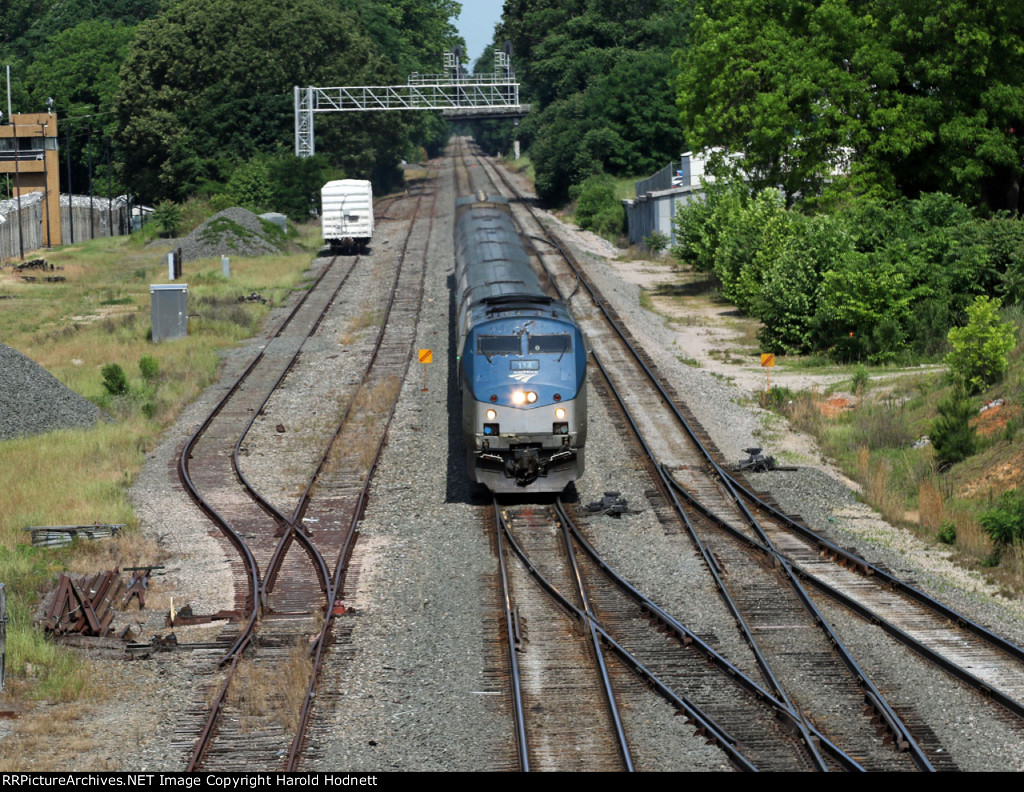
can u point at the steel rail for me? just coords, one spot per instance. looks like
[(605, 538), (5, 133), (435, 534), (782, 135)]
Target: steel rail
[(289, 524), (256, 582), (907, 741), (868, 569), (746, 632), (590, 620), (704, 723), (511, 632), (197, 498), (686, 636), (250, 561), (277, 558), (337, 581), (926, 601), (878, 700), (862, 610)]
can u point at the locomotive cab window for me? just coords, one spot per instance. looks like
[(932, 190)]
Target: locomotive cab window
[(497, 345), (556, 344)]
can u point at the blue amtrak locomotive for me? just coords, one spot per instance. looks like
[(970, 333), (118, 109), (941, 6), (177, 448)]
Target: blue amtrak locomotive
[(522, 361)]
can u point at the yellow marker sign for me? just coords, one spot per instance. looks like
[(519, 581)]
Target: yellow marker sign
[(767, 360), (426, 356)]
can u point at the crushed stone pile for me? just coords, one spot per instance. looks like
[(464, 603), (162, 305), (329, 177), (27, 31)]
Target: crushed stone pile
[(33, 401), (232, 232)]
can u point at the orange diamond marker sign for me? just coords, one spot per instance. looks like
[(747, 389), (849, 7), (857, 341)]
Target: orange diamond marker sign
[(767, 360), (425, 356)]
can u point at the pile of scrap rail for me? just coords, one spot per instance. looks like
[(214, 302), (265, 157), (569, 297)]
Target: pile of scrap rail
[(85, 607)]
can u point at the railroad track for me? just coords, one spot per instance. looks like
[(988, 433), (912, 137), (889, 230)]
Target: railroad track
[(570, 715), (964, 649), (262, 704)]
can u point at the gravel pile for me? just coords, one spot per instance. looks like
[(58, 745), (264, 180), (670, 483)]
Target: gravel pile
[(33, 401), (232, 232)]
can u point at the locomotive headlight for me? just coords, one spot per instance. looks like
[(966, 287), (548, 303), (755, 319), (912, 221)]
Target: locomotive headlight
[(492, 414), (518, 398), (531, 397), (560, 413)]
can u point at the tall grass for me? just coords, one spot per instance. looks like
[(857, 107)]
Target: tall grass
[(98, 316)]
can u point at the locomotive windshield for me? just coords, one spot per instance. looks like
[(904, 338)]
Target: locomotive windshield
[(491, 345), (557, 344)]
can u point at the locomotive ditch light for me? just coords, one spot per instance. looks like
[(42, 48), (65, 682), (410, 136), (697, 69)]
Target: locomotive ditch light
[(560, 413), (492, 414), (531, 397), (491, 429), (560, 429)]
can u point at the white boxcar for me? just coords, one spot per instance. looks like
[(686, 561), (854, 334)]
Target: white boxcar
[(347, 210)]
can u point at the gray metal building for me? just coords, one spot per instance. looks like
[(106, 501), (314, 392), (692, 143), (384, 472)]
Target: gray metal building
[(658, 197)]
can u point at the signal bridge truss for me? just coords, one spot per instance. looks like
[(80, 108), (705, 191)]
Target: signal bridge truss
[(457, 94)]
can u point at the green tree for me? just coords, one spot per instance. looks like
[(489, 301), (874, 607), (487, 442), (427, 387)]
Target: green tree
[(792, 282), (597, 208), (981, 348), (749, 246), (908, 97), (1004, 523), (16, 17), (167, 216), (201, 92), (115, 381), (250, 185), (701, 225), (952, 435), (767, 83), (78, 67), (863, 310), (597, 76)]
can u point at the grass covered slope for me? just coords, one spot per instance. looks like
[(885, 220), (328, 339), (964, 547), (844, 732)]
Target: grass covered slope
[(94, 322)]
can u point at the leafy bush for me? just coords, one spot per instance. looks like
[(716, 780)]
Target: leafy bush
[(757, 236), (778, 398), (1005, 523), (114, 379), (947, 533), (149, 367), (250, 185), (861, 380), (656, 242), (220, 202), (792, 283), (597, 208), (701, 225), (862, 311), (952, 435), (167, 217), (981, 348)]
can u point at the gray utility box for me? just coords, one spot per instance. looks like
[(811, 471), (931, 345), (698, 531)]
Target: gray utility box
[(169, 304)]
